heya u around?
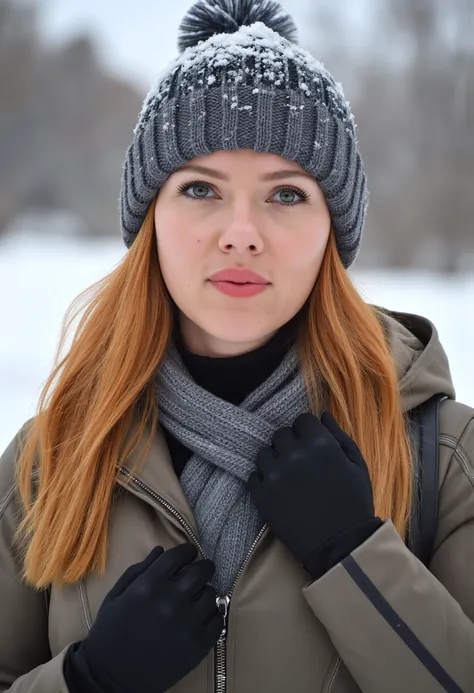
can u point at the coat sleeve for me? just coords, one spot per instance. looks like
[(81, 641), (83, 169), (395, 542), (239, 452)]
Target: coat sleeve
[(26, 664), (397, 625)]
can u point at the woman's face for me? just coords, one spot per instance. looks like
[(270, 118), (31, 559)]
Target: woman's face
[(246, 210)]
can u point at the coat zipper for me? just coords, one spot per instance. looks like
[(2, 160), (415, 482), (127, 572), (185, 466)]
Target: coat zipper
[(162, 501), (222, 602)]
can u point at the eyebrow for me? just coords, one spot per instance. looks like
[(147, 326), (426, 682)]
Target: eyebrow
[(275, 175)]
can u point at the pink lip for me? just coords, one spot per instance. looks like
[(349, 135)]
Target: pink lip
[(239, 290), (238, 276)]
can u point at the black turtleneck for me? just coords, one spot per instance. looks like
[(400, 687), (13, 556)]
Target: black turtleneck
[(231, 378)]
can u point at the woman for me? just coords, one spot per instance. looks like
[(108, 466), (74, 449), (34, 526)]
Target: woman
[(215, 492)]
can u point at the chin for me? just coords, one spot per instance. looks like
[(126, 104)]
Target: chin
[(238, 328)]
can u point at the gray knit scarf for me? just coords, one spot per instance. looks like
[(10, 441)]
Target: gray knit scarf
[(225, 440)]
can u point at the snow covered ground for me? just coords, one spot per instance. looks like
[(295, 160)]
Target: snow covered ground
[(40, 276)]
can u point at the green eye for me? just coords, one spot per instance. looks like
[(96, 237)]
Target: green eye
[(289, 201), (288, 196), (196, 185)]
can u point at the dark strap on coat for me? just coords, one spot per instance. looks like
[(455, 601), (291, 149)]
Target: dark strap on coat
[(424, 426)]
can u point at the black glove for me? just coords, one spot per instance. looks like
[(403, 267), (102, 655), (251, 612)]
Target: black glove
[(312, 487), (155, 625)]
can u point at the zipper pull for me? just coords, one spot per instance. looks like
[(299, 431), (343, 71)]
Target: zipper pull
[(223, 606)]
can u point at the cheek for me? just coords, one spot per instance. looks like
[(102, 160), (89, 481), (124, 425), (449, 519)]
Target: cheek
[(180, 256), (304, 251), (176, 242)]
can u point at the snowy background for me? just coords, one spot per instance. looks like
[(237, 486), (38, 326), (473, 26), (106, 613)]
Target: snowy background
[(40, 276), (73, 77)]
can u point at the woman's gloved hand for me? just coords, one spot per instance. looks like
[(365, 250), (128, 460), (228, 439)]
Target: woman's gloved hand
[(312, 487), (155, 625)]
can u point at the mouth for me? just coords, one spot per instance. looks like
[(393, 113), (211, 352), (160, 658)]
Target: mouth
[(242, 276), (228, 281), (239, 289)]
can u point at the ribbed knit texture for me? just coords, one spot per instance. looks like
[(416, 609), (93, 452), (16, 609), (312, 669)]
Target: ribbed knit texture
[(225, 440), (251, 89)]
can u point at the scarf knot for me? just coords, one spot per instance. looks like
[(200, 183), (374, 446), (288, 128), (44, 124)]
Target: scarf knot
[(225, 439)]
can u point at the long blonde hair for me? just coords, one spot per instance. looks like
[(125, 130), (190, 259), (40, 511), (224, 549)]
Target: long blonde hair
[(80, 434)]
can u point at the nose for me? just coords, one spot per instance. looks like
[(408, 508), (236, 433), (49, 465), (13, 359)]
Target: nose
[(241, 232)]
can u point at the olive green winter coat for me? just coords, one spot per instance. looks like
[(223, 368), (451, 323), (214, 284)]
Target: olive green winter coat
[(379, 622)]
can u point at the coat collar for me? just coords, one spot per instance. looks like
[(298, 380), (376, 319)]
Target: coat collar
[(156, 480)]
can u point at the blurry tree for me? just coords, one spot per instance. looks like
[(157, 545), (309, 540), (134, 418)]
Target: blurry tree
[(18, 56), (411, 85), (64, 124)]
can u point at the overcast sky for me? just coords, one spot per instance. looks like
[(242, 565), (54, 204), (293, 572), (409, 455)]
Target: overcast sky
[(137, 38)]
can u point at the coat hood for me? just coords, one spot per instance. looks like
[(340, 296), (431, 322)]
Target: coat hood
[(422, 364)]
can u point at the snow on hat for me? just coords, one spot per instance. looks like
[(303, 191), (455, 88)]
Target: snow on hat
[(242, 82)]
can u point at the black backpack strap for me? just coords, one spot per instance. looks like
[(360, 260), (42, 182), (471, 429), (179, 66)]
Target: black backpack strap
[(424, 428)]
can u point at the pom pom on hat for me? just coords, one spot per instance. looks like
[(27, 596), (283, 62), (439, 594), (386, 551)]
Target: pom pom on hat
[(209, 17)]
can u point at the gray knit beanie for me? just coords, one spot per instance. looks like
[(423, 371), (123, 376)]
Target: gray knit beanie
[(241, 82)]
